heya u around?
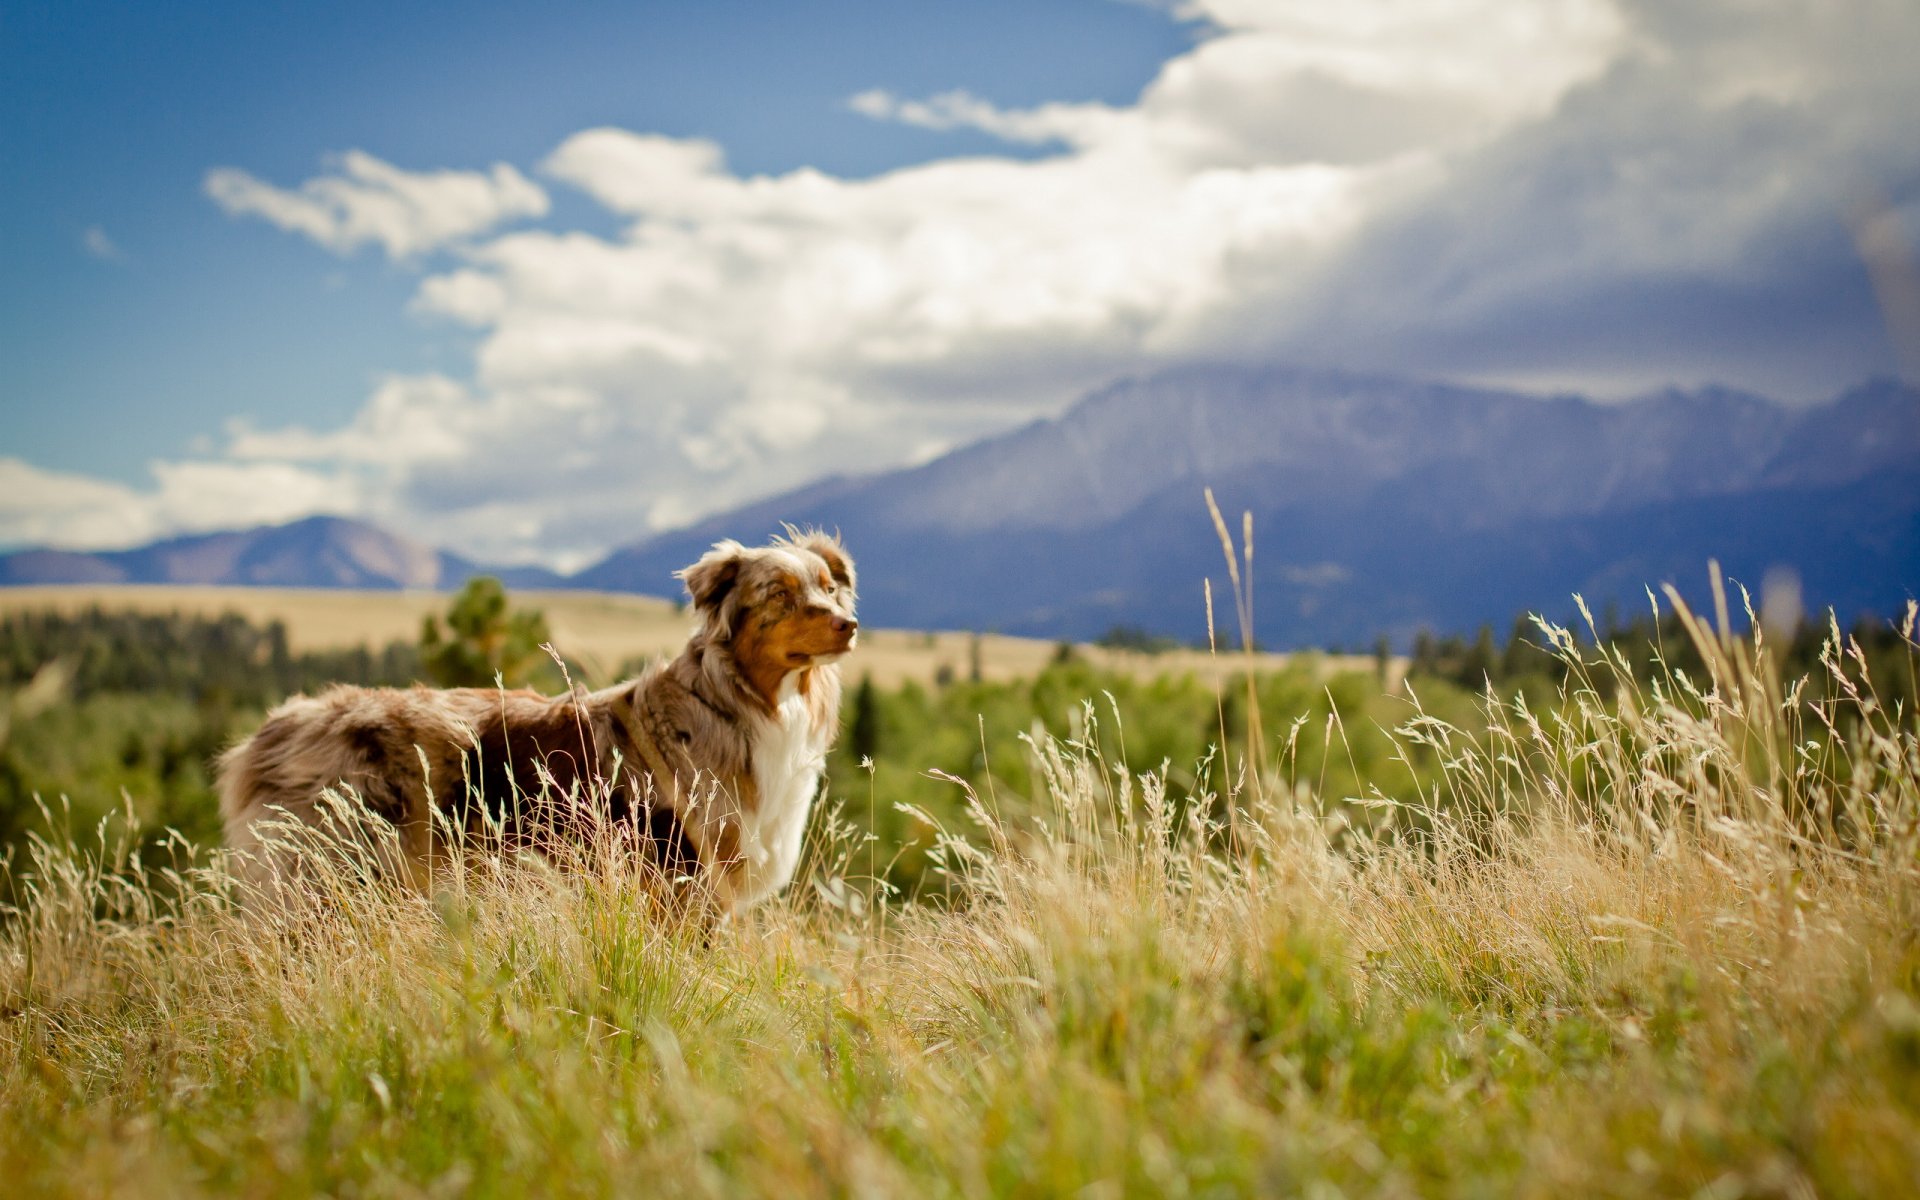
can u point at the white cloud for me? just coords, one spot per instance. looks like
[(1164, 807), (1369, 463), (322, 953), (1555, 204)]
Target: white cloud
[(94, 241), (409, 419), (1399, 183), (1073, 124), (220, 495), (406, 213), (746, 334), (41, 507)]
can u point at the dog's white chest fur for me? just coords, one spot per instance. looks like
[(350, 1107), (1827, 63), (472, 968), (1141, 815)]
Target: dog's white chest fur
[(788, 758)]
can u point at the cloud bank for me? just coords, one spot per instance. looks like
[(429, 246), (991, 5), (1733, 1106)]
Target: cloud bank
[(1566, 193)]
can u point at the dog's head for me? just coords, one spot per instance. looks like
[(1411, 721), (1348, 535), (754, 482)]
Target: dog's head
[(781, 607)]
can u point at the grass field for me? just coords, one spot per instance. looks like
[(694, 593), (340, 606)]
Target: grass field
[(603, 630), (1644, 941)]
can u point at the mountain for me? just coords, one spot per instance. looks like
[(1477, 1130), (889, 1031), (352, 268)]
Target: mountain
[(1380, 505), (319, 552)]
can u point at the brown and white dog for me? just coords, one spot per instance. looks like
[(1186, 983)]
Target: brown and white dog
[(710, 761)]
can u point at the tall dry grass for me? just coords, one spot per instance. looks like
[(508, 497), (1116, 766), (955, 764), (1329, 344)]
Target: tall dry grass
[(1643, 940)]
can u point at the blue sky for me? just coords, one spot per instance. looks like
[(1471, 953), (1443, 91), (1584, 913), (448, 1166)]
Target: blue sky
[(113, 113), (532, 283)]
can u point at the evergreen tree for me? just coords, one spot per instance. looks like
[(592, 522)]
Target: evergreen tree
[(863, 737), (1522, 655), (1483, 659), (483, 641), (1426, 654)]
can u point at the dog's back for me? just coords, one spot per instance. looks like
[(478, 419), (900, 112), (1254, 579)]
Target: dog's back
[(470, 755)]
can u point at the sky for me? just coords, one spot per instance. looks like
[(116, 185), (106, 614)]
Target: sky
[(534, 284)]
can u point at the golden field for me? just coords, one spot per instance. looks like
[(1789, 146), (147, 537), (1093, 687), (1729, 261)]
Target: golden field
[(602, 630)]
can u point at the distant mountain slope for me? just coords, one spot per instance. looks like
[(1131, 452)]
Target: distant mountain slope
[(1381, 506), (319, 552)]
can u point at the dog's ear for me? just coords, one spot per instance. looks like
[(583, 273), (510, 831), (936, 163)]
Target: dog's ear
[(710, 581), (832, 552)]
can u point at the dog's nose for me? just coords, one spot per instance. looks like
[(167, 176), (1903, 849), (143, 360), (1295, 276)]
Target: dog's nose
[(845, 625)]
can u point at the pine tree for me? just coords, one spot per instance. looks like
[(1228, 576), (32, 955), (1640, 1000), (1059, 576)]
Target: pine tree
[(863, 737), (483, 641)]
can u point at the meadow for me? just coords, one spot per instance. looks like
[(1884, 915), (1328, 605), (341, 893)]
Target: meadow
[(1623, 927)]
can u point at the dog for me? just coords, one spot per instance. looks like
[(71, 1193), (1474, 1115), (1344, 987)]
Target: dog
[(706, 764)]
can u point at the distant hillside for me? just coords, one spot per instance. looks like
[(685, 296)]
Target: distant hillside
[(1381, 506), (319, 552)]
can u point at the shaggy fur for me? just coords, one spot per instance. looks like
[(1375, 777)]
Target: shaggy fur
[(708, 763)]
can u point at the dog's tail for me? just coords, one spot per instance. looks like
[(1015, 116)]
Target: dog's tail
[(238, 783), (251, 781)]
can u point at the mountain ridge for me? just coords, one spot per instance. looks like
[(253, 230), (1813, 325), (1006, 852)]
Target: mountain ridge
[(319, 551), (1345, 473), (1381, 505)]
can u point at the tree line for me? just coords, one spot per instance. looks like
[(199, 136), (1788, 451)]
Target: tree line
[(206, 659), (1653, 646)]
